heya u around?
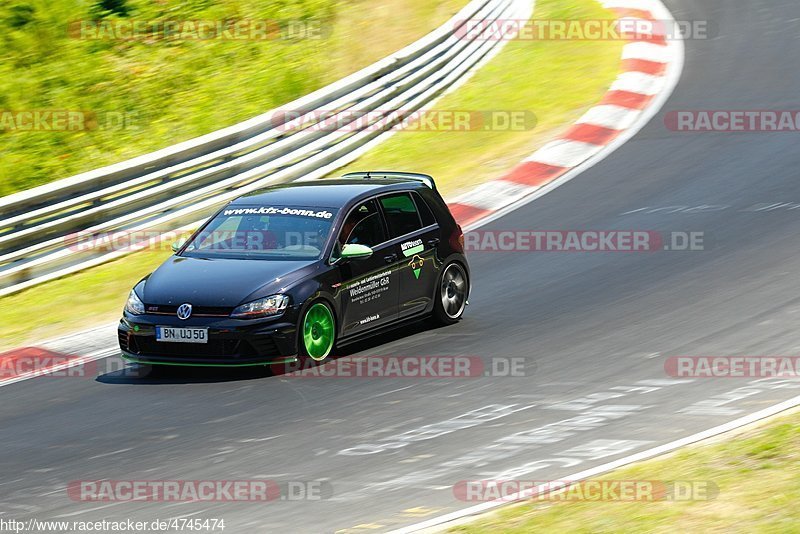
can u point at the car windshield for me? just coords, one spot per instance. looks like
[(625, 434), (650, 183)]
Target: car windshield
[(264, 232)]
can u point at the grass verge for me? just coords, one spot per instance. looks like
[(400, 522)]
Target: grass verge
[(557, 80), (757, 472), (72, 303), (150, 93)]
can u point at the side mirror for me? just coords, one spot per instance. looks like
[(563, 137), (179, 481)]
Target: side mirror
[(356, 252), (177, 245)]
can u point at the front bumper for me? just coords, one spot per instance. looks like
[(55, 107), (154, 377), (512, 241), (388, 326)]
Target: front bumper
[(231, 342)]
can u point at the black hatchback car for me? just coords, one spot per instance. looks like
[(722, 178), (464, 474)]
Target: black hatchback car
[(291, 271)]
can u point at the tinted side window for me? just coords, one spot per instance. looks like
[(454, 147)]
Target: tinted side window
[(363, 226), (425, 212), (401, 214)]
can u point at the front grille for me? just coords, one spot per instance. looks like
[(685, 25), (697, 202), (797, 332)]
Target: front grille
[(147, 345), (197, 311), (123, 339)]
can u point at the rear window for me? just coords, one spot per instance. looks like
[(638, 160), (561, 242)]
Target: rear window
[(401, 214)]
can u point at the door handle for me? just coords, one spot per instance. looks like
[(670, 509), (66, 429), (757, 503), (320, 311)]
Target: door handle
[(433, 242), (391, 258)]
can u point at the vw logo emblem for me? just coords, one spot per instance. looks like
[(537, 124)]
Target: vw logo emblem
[(184, 311)]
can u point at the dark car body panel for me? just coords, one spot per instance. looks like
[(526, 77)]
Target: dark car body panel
[(235, 281), (216, 286)]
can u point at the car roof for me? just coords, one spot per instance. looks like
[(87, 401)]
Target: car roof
[(331, 193)]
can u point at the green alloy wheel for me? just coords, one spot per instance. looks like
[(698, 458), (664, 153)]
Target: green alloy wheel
[(318, 332)]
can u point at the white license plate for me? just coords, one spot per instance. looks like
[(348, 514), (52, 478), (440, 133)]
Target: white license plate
[(181, 335)]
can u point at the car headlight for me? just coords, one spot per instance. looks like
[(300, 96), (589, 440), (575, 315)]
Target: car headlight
[(134, 306), (266, 307)]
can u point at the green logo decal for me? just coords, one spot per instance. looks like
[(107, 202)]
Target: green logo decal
[(416, 264), (410, 248)]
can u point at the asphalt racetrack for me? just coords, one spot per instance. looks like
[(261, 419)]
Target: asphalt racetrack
[(594, 329)]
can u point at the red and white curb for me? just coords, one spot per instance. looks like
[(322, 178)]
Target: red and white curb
[(69, 355), (650, 69)]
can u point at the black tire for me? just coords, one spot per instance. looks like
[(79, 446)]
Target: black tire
[(450, 298)]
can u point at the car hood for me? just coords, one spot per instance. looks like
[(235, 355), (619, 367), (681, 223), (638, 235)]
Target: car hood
[(220, 282)]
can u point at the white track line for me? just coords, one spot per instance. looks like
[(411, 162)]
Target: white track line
[(74, 362), (605, 468), (611, 116), (564, 153), (495, 194), (647, 52), (639, 82)]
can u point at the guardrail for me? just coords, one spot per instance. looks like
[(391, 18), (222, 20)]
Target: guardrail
[(41, 228)]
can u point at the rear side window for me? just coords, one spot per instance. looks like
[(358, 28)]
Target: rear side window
[(425, 212), (401, 214)]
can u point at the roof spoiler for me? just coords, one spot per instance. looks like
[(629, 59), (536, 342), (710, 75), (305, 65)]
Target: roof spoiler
[(412, 176)]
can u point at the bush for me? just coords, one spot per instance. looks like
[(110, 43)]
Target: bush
[(116, 7), (19, 15)]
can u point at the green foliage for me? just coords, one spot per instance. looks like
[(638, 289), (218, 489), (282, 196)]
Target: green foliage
[(19, 15), (115, 7), (171, 92), (166, 91)]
